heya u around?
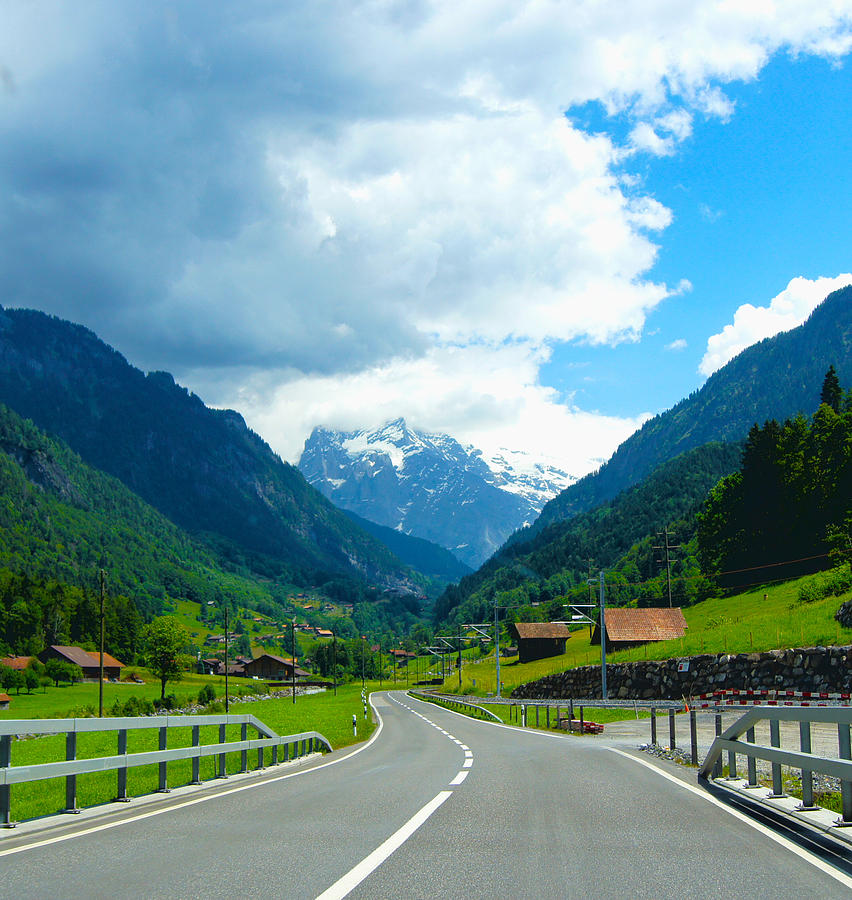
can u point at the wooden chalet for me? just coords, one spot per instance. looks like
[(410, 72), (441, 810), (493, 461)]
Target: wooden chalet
[(538, 640), (630, 627), (88, 662), (5, 701), (272, 668)]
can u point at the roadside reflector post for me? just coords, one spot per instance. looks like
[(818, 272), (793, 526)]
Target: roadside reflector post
[(653, 725), (354, 725), (672, 736)]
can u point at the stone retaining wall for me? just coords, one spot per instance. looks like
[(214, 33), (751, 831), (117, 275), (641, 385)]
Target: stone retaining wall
[(802, 669)]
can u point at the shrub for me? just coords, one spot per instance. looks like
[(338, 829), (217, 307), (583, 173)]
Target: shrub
[(206, 695)]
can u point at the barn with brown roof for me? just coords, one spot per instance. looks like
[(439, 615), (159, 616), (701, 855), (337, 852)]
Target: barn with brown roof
[(538, 640), (88, 662), (629, 627)]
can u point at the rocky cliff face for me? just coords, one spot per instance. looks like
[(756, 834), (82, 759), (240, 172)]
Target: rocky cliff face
[(429, 485)]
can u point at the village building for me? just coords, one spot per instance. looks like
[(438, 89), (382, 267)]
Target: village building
[(88, 662), (5, 701), (538, 640), (630, 627), (16, 662), (273, 668)]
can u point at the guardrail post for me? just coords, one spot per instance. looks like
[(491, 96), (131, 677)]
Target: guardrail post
[(71, 780), (752, 762), (582, 723), (244, 752), (164, 766), (653, 725), (6, 789), (196, 760), (775, 741), (807, 776), (845, 752), (275, 754), (571, 709), (693, 738), (548, 717), (672, 736), (732, 765), (536, 715), (259, 750), (717, 768), (121, 794), (223, 736)]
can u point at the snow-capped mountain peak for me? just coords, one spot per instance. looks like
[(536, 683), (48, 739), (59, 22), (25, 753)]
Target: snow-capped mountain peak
[(431, 486)]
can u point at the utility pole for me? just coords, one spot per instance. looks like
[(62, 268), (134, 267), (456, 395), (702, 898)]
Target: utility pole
[(603, 637), (293, 670), (227, 704), (363, 640), (101, 673), (334, 661), (666, 547), (497, 643), (460, 656)]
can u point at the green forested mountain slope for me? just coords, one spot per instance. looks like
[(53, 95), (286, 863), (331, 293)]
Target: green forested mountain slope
[(202, 468), (776, 378), (61, 521), (425, 557), (556, 559)]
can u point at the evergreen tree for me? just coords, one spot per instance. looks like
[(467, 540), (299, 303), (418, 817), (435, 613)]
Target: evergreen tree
[(832, 393)]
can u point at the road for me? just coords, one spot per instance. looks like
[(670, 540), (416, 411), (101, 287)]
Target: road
[(437, 805)]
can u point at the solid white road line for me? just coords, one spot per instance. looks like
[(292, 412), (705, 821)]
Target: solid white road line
[(354, 877), (460, 777), (758, 826)]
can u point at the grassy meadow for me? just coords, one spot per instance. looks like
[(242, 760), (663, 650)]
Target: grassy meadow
[(323, 712), (764, 618)]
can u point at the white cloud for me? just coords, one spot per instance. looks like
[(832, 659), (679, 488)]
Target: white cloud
[(324, 200), (676, 345), (754, 323), (487, 396)]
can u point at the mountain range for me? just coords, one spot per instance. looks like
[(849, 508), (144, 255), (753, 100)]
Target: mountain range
[(430, 486), (202, 468), (777, 377)]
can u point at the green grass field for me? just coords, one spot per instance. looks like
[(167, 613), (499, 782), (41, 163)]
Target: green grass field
[(323, 712), (737, 624)]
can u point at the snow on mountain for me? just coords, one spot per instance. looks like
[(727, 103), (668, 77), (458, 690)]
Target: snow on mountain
[(431, 486)]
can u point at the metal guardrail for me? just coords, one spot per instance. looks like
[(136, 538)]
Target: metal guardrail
[(804, 760), (442, 699), (302, 743)]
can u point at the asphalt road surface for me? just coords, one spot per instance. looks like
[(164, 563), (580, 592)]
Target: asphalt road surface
[(436, 805)]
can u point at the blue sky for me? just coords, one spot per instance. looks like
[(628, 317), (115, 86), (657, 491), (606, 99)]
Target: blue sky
[(526, 224), (757, 200)]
